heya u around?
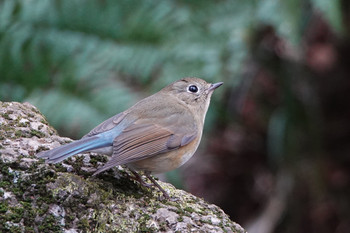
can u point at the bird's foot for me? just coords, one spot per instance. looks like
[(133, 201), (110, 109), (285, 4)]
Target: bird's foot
[(136, 176), (165, 194)]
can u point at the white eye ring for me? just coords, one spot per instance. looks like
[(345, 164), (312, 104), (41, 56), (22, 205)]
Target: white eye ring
[(192, 89)]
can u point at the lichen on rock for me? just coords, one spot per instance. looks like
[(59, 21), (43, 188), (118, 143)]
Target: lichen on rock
[(39, 197)]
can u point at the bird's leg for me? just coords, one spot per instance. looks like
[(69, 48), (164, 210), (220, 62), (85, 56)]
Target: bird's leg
[(148, 175), (139, 179)]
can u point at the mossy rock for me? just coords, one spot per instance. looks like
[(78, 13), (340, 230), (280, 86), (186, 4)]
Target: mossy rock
[(38, 197)]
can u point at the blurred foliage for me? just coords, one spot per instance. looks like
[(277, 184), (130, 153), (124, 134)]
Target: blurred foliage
[(100, 54), (81, 62)]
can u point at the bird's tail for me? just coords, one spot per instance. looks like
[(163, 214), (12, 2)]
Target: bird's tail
[(58, 154)]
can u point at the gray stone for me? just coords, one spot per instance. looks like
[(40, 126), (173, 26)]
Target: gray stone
[(40, 197)]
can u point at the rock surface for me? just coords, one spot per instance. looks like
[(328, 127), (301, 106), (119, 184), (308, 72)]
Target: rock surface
[(38, 197)]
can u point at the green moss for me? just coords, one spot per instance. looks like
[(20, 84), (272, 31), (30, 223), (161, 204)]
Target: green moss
[(4, 104), (4, 184), (205, 221), (69, 219), (78, 163), (146, 217), (49, 224), (59, 167), (163, 226), (143, 224), (3, 208), (35, 110), (189, 209), (15, 229), (43, 209), (23, 124), (18, 133), (25, 211), (5, 171), (83, 224), (29, 229), (29, 213), (6, 116), (18, 191), (15, 214), (95, 159), (37, 133)]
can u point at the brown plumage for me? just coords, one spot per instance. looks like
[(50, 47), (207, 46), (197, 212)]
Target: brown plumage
[(157, 134)]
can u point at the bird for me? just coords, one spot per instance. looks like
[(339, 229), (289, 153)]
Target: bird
[(157, 134)]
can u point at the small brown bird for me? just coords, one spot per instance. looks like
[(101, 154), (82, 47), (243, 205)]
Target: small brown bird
[(156, 135)]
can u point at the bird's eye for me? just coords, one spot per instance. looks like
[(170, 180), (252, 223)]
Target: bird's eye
[(193, 88)]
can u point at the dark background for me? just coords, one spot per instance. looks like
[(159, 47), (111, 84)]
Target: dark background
[(275, 153)]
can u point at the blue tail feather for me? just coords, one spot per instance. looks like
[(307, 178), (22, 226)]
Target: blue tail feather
[(58, 154)]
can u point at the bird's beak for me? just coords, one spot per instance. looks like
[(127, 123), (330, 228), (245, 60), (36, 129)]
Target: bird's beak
[(215, 85)]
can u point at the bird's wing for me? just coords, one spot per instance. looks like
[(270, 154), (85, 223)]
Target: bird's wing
[(141, 141), (107, 125)]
